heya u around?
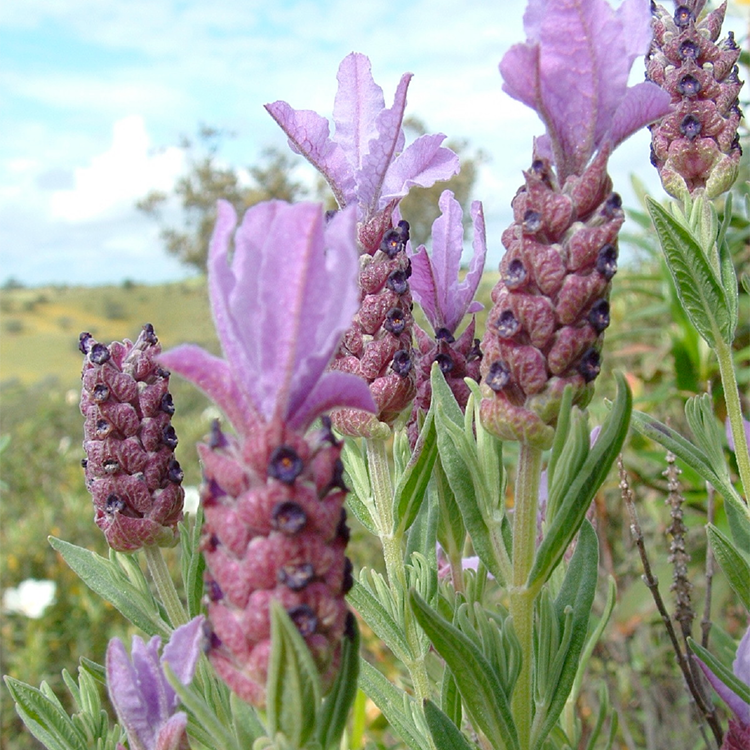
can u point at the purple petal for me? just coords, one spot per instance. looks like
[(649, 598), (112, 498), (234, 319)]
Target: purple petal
[(171, 733), (333, 389), (741, 665), (182, 653), (151, 680), (423, 286), (125, 692), (641, 105), (739, 708), (214, 377), (520, 71), (476, 266), (308, 135), (358, 102), (421, 164), (382, 149)]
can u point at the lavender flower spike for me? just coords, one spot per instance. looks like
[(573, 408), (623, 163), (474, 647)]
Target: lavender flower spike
[(280, 306), (144, 700), (434, 281), (573, 71), (365, 163), (273, 495), (738, 736)]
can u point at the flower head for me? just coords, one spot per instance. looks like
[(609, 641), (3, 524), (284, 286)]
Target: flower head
[(573, 70), (129, 440), (144, 700), (280, 303), (434, 281), (365, 163)]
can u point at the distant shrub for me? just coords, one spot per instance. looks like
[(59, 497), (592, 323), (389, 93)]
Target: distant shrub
[(7, 305), (128, 284), (41, 299), (65, 322), (13, 325), (12, 283), (29, 305)]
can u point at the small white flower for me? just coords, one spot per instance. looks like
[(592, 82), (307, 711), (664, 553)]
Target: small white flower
[(30, 598), (192, 500)]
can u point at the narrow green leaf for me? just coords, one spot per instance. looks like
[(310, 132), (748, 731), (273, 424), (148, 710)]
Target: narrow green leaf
[(293, 686), (412, 485), (577, 591), (726, 675), (247, 727), (45, 719), (205, 716), (445, 734), (356, 476), (733, 564), (106, 579), (450, 699), (482, 694), (391, 702), (708, 435), (97, 671), (193, 563), (698, 289), (338, 702), (693, 456), (379, 619), (582, 489)]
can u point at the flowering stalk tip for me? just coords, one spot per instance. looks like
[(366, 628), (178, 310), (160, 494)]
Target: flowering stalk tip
[(275, 527), (131, 471)]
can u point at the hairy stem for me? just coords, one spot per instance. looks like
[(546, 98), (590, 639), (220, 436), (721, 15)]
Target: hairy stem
[(165, 586), (521, 598)]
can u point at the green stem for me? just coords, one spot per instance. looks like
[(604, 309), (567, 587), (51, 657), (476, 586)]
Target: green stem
[(382, 490), (734, 411), (165, 586), (521, 598)]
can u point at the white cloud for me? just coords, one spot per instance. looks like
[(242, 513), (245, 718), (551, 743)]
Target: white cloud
[(121, 175)]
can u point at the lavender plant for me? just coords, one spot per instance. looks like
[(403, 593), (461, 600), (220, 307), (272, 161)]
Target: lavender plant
[(332, 395)]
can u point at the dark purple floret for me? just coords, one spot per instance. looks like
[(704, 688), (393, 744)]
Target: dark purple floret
[(402, 363), (507, 324), (296, 576), (475, 352), (285, 464), (516, 275), (84, 342), (304, 618), (337, 479), (213, 543), (99, 354), (532, 222), (149, 335), (169, 437), (689, 50), (111, 465), (599, 315), (606, 261), (348, 580), (689, 85), (443, 334), (216, 438), (288, 518), (397, 282), (682, 16), (214, 592), (114, 504), (590, 365), (498, 376), (613, 205), (394, 240), (342, 530), (167, 404), (395, 322), (326, 433), (330, 214), (729, 43), (175, 474), (103, 428), (84, 462), (690, 127), (445, 363), (350, 627), (160, 372), (101, 393)]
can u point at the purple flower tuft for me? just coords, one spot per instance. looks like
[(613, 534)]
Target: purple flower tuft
[(365, 163), (573, 70), (144, 700)]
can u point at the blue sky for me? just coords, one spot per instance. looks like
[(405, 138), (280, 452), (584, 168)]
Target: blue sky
[(95, 93)]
